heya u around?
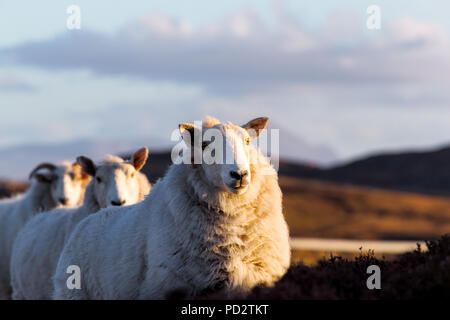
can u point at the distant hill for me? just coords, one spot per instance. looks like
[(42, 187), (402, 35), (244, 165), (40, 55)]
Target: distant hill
[(425, 172)]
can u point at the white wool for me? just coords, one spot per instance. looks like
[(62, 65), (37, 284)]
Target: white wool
[(40, 242), (14, 213), (185, 235), (210, 121), (109, 158)]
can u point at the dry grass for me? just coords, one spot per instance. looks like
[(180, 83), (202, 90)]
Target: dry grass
[(312, 257), (328, 210)]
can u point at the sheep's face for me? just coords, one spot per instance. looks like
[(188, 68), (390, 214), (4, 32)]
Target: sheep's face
[(224, 152), (116, 182), (68, 183)]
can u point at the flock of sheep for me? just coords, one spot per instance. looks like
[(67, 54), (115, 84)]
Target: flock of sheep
[(202, 228)]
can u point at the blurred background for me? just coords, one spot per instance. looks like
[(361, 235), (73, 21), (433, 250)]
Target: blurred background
[(363, 114)]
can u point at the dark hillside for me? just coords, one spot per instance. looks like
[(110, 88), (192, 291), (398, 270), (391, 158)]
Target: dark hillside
[(424, 172)]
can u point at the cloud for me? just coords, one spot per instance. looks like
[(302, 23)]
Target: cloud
[(406, 31), (243, 53), (15, 84)]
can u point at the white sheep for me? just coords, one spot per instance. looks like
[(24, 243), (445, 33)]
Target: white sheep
[(38, 245), (51, 186), (204, 227)]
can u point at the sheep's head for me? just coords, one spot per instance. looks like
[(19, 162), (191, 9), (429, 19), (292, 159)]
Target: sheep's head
[(222, 150), (116, 181), (67, 182)]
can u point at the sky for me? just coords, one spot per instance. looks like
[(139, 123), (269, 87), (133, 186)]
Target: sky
[(138, 68)]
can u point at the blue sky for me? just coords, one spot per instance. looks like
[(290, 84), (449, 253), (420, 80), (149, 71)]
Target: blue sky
[(138, 68)]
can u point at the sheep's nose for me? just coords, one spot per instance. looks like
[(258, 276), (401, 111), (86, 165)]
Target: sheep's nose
[(238, 175), (118, 203), (63, 201)]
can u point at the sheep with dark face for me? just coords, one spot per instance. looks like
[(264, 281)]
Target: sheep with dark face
[(37, 247), (51, 186), (209, 226)]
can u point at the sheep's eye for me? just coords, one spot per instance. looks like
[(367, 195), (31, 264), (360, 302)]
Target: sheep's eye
[(99, 180)]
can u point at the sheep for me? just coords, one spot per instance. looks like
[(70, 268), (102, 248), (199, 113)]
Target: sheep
[(51, 186), (38, 245), (207, 227)]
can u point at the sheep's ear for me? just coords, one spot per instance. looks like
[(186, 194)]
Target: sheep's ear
[(187, 132), (139, 158), (85, 178), (256, 126), (43, 178), (87, 165), (46, 165)]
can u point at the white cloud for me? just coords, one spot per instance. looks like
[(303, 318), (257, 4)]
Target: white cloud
[(335, 86), (408, 30), (241, 53)]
